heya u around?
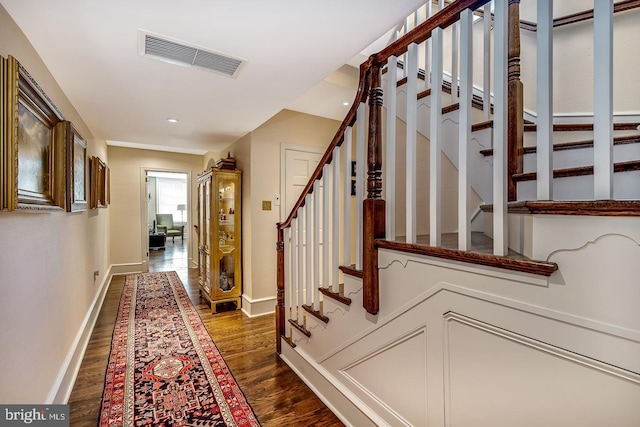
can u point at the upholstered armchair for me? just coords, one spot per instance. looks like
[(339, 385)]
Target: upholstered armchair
[(164, 224)]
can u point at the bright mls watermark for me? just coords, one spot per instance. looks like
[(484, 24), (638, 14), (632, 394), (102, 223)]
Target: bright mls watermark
[(37, 415)]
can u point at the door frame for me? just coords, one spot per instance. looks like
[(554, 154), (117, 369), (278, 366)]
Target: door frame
[(284, 147), (144, 213)]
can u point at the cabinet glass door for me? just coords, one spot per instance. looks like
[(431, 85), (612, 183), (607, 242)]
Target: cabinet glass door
[(226, 234)]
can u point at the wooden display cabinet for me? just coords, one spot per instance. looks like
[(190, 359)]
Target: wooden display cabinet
[(219, 238)]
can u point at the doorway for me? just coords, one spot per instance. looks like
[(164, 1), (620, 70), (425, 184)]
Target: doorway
[(298, 162), (165, 217)]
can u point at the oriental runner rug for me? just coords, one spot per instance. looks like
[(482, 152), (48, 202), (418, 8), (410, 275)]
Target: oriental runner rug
[(164, 369)]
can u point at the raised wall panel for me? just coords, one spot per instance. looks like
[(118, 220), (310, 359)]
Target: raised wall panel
[(402, 388), (498, 378)]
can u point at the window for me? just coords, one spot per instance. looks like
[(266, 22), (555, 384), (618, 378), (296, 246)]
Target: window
[(171, 191)]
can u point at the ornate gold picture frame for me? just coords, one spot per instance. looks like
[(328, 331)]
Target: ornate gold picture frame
[(33, 157), (76, 193), (99, 187)]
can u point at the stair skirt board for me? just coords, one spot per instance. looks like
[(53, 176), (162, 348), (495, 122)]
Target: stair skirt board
[(473, 342)]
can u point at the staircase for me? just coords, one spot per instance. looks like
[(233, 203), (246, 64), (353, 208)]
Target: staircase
[(489, 274)]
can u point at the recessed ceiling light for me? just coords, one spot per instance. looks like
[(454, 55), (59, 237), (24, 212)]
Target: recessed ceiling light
[(345, 103), (170, 120)]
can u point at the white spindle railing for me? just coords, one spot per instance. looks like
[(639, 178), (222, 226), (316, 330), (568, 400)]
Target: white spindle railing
[(486, 73), (302, 262), (327, 244), (412, 128), (346, 200), (544, 134), (500, 176), (435, 143), (603, 99), (427, 51), (314, 256), (315, 284), (288, 277), (335, 222), (390, 150), (308, 246), (454, 62), (312, 259), (464, 132)]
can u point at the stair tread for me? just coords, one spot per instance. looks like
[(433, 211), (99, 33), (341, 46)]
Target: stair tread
[(351, 270), (573, 207), (337, 296), (577, 127), (300, 327), (316, 313), (628, 166), (481, 253), (288, 341)]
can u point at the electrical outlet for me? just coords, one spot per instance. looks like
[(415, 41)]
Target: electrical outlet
[(266, 205)]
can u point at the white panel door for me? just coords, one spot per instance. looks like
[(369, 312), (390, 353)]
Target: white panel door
[(298, 166)]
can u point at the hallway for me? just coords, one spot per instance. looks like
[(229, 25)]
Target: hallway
[(276, 394)]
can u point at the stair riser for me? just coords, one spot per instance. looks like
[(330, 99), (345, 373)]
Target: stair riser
[(582, 157), (625, 187)]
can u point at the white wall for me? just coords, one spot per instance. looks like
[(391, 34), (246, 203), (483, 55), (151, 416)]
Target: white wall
[(126, 227), (258, 155), (47, 261)]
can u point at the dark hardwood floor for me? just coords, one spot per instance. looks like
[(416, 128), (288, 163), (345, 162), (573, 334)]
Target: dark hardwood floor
[(276, 394)]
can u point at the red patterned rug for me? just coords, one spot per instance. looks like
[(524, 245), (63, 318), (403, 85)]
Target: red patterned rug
[(164, 369)]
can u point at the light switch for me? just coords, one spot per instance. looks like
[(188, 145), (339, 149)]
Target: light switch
[(266, 205)]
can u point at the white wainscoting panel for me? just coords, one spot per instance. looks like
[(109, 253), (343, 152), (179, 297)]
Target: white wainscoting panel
[(498, 378)]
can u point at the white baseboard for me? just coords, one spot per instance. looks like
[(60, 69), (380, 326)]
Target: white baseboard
[(341, 405), (258, 307), (128, 268), (61, 389)]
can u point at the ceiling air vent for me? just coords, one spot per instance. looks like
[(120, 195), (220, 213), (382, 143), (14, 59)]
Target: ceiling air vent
[(164, 49)]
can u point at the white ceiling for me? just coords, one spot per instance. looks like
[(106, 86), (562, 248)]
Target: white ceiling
[(292, 49)]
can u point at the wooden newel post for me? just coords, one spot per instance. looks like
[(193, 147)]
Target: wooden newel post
[(280, 331), (374, 205), (515, 109)]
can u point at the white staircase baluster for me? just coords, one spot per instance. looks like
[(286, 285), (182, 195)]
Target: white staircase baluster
[(544, 130), (603, 100), (288, 275), (454, 62), (315, 284), (500, 196), (360, 179), (427, 51), (464, 132), (412, 129), (335, 243), (435, 143), (486, 73), (326, 224), (390, 158), (308, 240), (346, 207), (298, 263)]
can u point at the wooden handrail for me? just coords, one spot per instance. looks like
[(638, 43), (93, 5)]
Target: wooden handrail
[(443, 18), (350, 119), (369, 87)]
